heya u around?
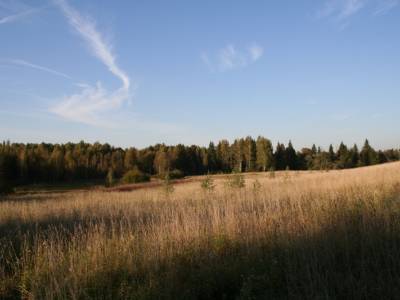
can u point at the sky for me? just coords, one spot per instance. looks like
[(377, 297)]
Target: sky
[(135, 73)]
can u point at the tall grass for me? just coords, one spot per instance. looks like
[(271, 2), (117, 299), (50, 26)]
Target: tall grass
[(304, 235)]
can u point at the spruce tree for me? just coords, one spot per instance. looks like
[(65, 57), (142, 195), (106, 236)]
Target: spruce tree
[(291, 157), (280, 157)]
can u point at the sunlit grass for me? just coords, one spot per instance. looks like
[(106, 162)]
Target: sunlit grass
[(295, 235)]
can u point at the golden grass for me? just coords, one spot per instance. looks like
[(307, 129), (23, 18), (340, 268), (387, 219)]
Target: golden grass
[(299, 235)]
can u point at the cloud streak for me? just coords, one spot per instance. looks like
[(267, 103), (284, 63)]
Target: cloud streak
[(385, 7), (23, 63), (229, 57), (341, 10), (91, 102), (17, 16)]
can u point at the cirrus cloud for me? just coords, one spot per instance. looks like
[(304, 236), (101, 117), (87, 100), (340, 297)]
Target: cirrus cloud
[(92, 103), (230, 57)]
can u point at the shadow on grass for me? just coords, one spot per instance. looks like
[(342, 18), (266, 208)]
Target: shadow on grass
[(354, 255), (356, 258)]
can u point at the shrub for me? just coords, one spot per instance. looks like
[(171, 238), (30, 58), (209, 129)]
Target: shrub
[(272, 173), (207, 183), (176, 174), (167, 185), (256, 186), (236, 181), (135, 176)]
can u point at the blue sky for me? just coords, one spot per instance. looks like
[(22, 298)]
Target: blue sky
[(134, 73)]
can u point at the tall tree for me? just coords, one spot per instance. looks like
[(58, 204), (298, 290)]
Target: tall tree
[(280, 157), (212, 158), (264, 153), (238, 155), (162, 161), (130, 159), (291, 157), (355, 156), (331, 156), (343, 157), (368, 155), (250, 154), (224, 156)]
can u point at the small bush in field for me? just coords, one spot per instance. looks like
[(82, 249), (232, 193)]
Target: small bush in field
[(167, 185), (207, 184), (256, 186), (272, 173), (236, 181), (135, 176)]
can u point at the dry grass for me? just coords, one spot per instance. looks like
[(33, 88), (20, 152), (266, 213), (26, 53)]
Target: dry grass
[(314, 235)]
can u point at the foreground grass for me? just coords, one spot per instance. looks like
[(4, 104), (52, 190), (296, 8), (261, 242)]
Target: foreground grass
[(298, 235)]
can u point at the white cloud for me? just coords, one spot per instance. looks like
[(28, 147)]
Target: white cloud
[(230, 58), (91, 102), (12, 11), (23, 63), (342, 10), (17, 16), (385, 7), (256, 52)]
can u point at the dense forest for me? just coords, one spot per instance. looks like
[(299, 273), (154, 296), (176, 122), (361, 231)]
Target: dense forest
[(22, 164)]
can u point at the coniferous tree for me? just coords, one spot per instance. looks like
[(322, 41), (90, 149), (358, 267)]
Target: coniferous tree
[(381, 157), (355, 156), (368, 155), (280, 157), (331, 156), (212, 158), (343, 157), (42, 163), (224, 156), (290, 157)]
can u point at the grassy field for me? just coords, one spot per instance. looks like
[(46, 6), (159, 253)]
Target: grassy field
[(294, 235)]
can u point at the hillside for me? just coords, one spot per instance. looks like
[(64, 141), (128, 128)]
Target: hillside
[(289, 234)]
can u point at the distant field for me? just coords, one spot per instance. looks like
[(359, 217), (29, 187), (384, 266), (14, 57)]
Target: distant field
[(307, 235)]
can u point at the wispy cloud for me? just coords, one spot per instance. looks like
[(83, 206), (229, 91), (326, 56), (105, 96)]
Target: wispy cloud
[(340, 11), (17, 16), (385, 7), (13, 11), (230, 58), (91, 102), (23, 63), (256, 52)]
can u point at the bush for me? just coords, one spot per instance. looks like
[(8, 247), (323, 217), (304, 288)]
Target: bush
[(5, 187), (135, 176), (207, 183), (236, 181), (176, 174), (168, 186)]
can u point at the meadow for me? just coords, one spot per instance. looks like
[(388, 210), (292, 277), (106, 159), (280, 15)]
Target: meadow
[(285, 235)]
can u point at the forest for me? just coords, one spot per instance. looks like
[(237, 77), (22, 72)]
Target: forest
[(22, 164)]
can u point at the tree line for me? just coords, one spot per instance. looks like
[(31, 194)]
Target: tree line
[(22, 164)]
